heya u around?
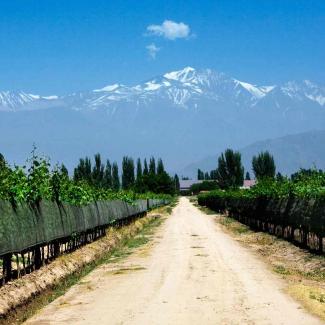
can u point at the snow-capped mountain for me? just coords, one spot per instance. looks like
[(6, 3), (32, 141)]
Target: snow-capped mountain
[(13, 101), (180, 115), (184, 88)]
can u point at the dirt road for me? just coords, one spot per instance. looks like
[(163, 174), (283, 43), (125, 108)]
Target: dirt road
[(192, 273)]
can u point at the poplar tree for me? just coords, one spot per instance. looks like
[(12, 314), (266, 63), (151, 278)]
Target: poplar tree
[(200, 174), (115, 177), (160, 167), (108, 175), (177, 184), (263, 165), (230, 172), (139, 169), (152, 166), (127, 173), (98, 172), (145, 168)]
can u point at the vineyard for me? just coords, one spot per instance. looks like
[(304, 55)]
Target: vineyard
[(45, 213), (291, 209)]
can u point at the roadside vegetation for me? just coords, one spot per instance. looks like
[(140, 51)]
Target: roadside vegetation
[(38, 180)]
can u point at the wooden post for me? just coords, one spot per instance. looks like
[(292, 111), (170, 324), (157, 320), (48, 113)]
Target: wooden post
[(7, 267), (56, 248), (37, 258)]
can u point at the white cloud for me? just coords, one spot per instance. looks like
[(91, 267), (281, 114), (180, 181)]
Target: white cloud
[(152, 50), (170, 30)]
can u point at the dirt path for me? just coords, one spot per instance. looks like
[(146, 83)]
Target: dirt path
[(192, 273)]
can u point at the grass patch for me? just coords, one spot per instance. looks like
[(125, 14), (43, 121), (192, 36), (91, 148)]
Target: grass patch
[(312, 298), (280, 269), (233, 225), (127, 270)]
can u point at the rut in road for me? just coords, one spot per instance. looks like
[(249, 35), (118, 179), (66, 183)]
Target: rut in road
[(193, 273)]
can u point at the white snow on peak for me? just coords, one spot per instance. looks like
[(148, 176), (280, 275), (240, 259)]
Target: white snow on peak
[(53, 97), (151, 85), (107, 88), (267, 89), (34, 96), (256, 91), (317, 98), (181, 75)]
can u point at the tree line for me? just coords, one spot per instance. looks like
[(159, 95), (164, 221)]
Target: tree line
[(230, 171), (140, 177)]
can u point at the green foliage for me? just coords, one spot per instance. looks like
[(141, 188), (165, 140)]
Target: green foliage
[(299, 204), (145, 167), (152, 166), (303, 187), (128, 178), (83, 171), (160, 167), (155, 180), (230, 172), (139, 169), (200, 174), (97, 175), (115, 178), (204, 186), (263, 165), (37, 182), (177, 184), (107, 178)]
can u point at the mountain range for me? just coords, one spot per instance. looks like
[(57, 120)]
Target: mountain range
[(291, 152), (182, 116)]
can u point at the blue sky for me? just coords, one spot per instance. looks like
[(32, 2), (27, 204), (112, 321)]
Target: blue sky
[(59, 46)]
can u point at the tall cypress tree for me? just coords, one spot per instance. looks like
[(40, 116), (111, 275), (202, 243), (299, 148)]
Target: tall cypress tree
[(98, 171), (160, 167), (145, 168), (152, 166), (177, 184), (107, 182), (139, 169), (127, 173), (200, 174), (115, 177)]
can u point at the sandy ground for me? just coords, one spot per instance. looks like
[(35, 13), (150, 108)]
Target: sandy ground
[(191, 273)]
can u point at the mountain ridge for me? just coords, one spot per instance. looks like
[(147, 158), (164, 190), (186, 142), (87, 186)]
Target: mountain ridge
[(179, 86)]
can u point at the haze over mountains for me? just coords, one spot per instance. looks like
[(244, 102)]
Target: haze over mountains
[(291, 152), (182, 116)]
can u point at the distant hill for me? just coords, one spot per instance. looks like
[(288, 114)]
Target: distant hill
[(303, 150)]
